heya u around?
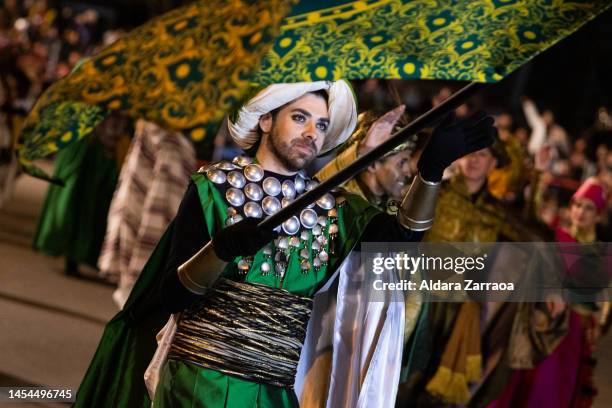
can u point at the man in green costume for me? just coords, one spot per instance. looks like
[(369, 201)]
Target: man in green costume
[(243, 304)]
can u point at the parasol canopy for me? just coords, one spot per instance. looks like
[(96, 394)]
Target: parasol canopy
[(185, 69)]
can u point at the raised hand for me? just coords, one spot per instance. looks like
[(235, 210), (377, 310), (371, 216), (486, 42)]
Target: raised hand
[(453, 139), (381, 130)]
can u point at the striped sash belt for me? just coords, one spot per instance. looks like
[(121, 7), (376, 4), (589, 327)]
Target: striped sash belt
[(247, 330)]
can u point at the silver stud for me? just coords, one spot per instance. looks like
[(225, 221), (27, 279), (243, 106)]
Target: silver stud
[(225, 165), (267, 250), (323, 256), (308, 218), (280, 268), (243, 265), (304, 265), (322, 240), (231, 211), (253, 172), (326, 202), (333, 229), (283, 243), (311, 184), (304, 235), (304, 253), (270, 205), (234, 196), (316, 246), (288, 189), (216, 176), (285, 202), (236, 179), (322, 220), (253, 191), (316, 230), (294, 241), (299, 184), (265, 268), (242, 161), (292, 225), (271, 186), (253, 210), (316, 263)]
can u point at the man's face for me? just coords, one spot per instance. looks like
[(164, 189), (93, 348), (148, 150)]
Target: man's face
[(393, 173), (476, 166), (297, 132), (583, 214)]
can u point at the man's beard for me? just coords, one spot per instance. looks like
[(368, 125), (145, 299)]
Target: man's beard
[(283, 151)]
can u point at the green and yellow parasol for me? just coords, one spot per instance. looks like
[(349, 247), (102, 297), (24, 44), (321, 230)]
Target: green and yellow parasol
[(185, 69)]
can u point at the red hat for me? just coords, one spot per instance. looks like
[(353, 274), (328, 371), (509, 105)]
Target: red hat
[(592, 190)]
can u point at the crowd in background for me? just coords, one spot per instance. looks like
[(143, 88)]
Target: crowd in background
[(542, 153), (40, 44)]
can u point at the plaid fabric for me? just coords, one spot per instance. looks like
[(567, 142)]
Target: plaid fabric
[(151, 185)]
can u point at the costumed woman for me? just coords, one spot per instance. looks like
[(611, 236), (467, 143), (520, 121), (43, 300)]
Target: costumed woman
[(564, 378)]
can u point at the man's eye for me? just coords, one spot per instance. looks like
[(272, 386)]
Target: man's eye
[(322, 126), (299, 118)]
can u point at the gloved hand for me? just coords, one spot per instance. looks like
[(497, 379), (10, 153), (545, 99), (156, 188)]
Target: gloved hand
[(241, 239), (453, 139)]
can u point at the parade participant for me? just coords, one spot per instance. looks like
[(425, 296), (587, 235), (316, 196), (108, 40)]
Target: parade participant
[(73, 219), (245, 353), (383, 185), (466, 212), (387, 178), (149, 191), (505, 182), (586, 207), (294, 129), (569, 367)]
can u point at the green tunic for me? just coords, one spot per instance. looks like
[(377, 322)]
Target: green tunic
[(73, 220), (183, 384), (115, 375)]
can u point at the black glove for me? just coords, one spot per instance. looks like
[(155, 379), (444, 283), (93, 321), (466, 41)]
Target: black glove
[(452, 139), (241, 239)]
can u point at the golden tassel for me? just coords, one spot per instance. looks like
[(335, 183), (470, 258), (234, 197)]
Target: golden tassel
[(449, 386)]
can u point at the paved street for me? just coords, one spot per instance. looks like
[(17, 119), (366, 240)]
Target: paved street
[(50, 324)]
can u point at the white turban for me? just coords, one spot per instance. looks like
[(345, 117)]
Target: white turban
[(341, 109)]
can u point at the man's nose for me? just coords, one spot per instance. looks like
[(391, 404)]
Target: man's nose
[(310, 130), (406, 170)]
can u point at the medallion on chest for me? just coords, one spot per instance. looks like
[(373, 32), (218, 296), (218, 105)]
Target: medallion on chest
[(250, 191)]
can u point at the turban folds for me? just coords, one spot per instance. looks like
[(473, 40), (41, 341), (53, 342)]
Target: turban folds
[(341, 108)]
